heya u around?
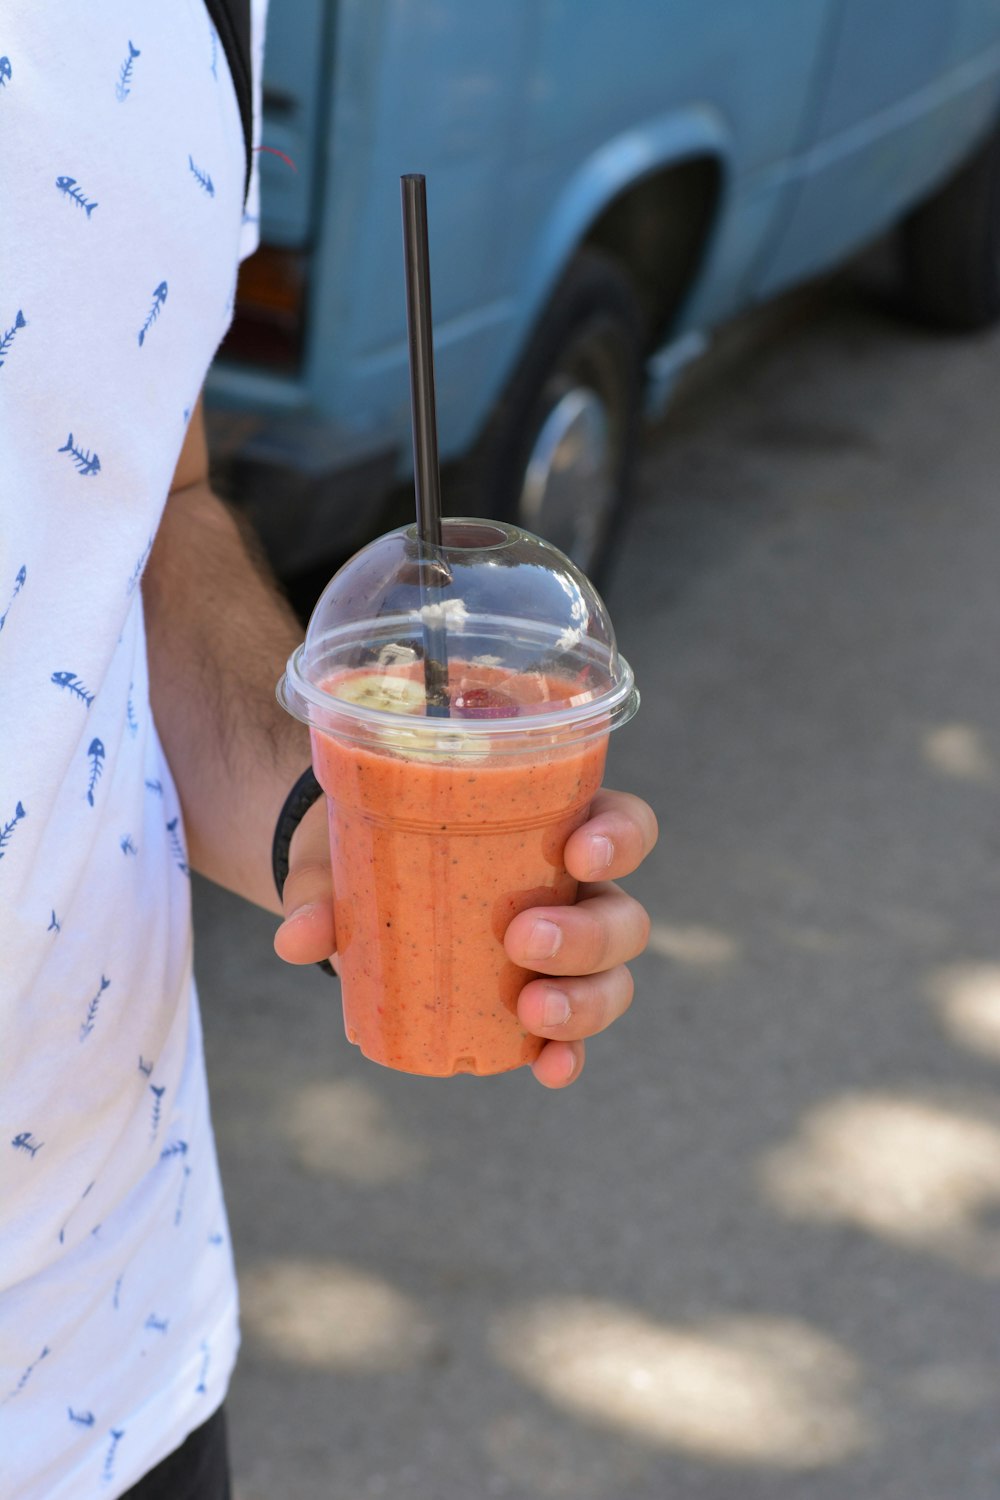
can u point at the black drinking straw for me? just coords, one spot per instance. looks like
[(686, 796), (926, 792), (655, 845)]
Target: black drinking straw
[(426, 470)]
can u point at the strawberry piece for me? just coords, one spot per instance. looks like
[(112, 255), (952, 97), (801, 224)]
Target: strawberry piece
[(484, 703)]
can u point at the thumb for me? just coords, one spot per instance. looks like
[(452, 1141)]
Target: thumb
[(306, 935)]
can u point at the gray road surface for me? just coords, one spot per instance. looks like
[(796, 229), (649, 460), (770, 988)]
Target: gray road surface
[(754, 1254)]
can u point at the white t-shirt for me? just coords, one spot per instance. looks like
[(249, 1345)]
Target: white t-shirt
[(123, 166)]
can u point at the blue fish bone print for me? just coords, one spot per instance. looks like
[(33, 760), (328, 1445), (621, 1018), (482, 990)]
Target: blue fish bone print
[(155, 786), (122, 89), (140, 563), (203, 179), (5, 71), (72, 189), (179, 1210), (82, 1418), (26, 1376), (145, 1068), (108, 1472), (130, 718), (157, 1325), (7, 831), (95, 754), (87, 463), (176, 844), (127, 846), (55, 925), (8, 338), (70, 681), (159, 297), (206, 1359), (95, 1004), (157, 1093), (19, 582), (175, 1148), (26, 1142)]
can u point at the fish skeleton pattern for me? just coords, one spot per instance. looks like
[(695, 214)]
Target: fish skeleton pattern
[(26, 1142), (157, 1092), (203, 180), (180, 853), (76, 687), (86, 463), (122, 89), (139, 565), (126, 845), (83, 1418), (92, 1009), (159, 297), (108, 1472), (19, 582), (7, 831), (8, 338), (5, 71), (179, 1211), (95, 754), (26, 1375), (72, 189), (206, 1359)]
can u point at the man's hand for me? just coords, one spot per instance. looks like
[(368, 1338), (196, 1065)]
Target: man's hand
[(584, 948)]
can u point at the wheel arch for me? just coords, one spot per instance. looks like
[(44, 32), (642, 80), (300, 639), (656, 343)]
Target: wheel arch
[(623, 200)]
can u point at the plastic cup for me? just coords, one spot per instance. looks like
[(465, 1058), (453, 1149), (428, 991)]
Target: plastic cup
[(444, 827)]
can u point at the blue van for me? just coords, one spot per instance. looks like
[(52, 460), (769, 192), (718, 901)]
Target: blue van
[(606, 183)]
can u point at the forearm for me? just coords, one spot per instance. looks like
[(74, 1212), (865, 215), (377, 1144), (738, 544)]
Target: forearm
[(218, 638)]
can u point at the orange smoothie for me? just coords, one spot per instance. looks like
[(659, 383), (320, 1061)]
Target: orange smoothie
[(432, 857)]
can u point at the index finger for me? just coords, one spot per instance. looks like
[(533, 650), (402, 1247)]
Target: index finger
[(615, 839)]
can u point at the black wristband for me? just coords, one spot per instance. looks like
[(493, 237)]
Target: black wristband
[(298, 802)]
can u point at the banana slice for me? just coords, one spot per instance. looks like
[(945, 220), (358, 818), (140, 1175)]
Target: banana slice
[(438, 745), (381, 690), (441, 740)]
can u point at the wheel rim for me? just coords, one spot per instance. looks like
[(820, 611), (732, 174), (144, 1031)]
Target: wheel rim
[(569, 481)]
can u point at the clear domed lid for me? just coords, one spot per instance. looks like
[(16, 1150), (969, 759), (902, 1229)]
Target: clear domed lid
[(496, 630)]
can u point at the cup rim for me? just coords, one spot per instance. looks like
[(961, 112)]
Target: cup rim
[(311, 705)]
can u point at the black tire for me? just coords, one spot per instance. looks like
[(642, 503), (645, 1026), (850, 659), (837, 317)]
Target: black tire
[(950, 248), (590, 340)]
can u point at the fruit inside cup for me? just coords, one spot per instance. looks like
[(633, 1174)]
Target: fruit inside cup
[(484, 703)]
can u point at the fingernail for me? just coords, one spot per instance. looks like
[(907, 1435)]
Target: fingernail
[(602, 852), (302, 911), (544, 940), (555, 1009)]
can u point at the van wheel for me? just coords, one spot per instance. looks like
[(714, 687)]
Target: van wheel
[(558, 453), (951, 248)]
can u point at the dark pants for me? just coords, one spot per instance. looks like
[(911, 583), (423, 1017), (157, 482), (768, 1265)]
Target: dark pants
[(197, 1470)]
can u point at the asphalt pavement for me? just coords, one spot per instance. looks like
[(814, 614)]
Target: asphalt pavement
[(754, 1253)]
